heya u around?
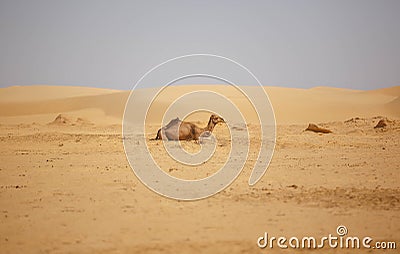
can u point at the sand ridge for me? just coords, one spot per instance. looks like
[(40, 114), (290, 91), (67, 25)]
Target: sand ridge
[(103, 106)]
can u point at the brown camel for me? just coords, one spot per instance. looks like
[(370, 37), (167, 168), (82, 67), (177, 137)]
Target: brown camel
[(180, 130)]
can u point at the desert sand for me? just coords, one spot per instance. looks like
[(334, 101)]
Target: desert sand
[(66, 185)]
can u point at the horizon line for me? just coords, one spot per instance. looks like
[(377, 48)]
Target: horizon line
[(274, 86)]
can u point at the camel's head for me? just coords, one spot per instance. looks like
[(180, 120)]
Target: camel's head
[(216, 119)]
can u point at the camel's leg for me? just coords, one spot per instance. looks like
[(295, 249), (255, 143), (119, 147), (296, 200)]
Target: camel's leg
[(193, 135), (158, 137)]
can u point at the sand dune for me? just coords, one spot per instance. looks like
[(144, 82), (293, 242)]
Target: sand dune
[(43, 92), (327, 104), (391, 91), (102, 108), (66, 185), (393, 107), (291, 106)]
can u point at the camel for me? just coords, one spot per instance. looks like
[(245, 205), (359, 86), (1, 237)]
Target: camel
[(177, 129)]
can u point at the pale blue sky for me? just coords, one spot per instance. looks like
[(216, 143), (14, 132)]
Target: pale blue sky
[(352, 44)]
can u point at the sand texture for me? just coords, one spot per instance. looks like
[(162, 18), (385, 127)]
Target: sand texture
[(66, 185)]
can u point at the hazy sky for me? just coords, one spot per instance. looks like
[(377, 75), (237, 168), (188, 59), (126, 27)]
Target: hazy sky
[(353, 44)]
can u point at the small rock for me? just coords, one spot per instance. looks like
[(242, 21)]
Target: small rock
[(381, 124), (315, 128)]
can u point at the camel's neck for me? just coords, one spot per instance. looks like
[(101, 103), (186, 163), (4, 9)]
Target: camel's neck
[(210, 126)]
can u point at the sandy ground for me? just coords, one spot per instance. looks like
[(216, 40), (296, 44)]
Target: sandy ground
[(68, 188)]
